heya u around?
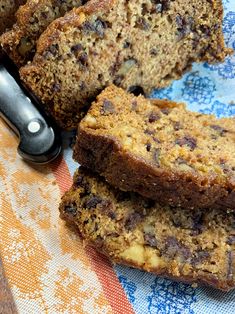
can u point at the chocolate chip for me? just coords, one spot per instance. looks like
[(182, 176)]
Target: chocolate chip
[(219, 129), (148, 147), (177, 126), (197, 223), (132, 221), (188, 141), (107, 108), (112, 215), (51, 50), (156, 140), (54, 49), (165, 111), (136, 90), (161, 5), (44, 15), (81, 182), (98, 27), (145, 9), (184, 25), (153, 116), (126, 44), (176, 221), (226, 168), (150, 239), (71, 209), (115, 66), (205, 30), (200, 257), (92, 202), (149, 132), (100, 76), (76, 48), (223, 161), (56, 87), (153, 52), (156, 155), (87, 27), (106, 207), (82, 85), (173, 248), (83, 59), (231, 239), (142, 24), (180, 21)]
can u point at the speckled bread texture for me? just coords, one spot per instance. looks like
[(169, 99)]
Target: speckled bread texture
[(159, 149), (7, 13), (32, 19), (191, 246), (131, 43)]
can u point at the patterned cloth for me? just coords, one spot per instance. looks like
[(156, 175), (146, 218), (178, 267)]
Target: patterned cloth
[(48, 268)]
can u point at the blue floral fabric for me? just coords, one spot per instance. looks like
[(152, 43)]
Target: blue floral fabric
[(207, 89)]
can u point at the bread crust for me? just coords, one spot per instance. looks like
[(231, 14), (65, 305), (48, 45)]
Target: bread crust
[(129, 169), (31, 20), (7, 15), (68, 104), (149, 241)]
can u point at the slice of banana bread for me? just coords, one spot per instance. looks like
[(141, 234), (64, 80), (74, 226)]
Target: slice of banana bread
[(159, 149), (7, 13), (32, 19), (185, 245), (128, 43)]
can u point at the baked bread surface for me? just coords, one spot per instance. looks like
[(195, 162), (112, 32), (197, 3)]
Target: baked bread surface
[(133, 44), (189, 246)]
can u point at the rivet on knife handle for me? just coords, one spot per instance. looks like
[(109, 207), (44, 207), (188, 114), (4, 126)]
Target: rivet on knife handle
[(39, 140)]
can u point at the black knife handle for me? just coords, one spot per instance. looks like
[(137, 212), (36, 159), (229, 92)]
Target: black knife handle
[(39, 140)]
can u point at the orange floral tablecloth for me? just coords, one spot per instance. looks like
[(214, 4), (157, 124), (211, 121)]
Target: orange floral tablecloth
[(47, 267)]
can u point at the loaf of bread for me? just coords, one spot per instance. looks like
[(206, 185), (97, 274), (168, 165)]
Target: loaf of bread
[(7, 13), (135, 43), (190, 246), (159, 149), (32, 19)]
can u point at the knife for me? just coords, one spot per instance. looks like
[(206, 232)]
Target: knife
[(40, 140)]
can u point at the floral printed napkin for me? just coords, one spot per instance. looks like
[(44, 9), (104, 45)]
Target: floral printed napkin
[(48, 268)]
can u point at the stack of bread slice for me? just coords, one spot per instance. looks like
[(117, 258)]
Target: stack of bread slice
[(156, 189), (159, 194)]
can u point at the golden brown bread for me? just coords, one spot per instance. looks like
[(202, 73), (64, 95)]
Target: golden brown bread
[(134, 43), (185, 245), (19, 43), (8, 9), (159, 149)]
